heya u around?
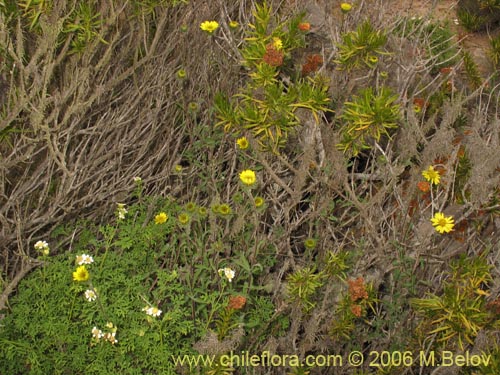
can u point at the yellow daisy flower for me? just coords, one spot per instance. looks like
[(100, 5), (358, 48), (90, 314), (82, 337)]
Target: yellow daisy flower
[(431, 175), (242, 143), (181, 74), (441, 223), (345, 7), (183, 218), (259, 201), (81, 274), (233, 24), (224, 209), (161, 218), (248, 177), (209, 26)]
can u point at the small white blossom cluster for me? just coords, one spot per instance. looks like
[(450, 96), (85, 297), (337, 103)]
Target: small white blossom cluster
[(137, 180), (152, 311), (43, 247), (121, 211), (110, 336), (84, 259), (228, 272)]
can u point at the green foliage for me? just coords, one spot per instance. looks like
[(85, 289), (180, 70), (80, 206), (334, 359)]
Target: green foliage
[(471, 22), (361, 47), (471, 70), (267, 107), (494, 51), (33, 9), (457, 315), (337, 264), (436, 38), (139, 263), (490, 5), (367, 117), (442, 48), (84, 26), (66, 319), (302, 286)]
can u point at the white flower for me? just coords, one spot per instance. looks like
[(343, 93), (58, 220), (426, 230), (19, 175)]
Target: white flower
[(137, 180), (228, 272), (97, 333), (41, 245), (84, 259), (153, 311), (121, 211), (90, 295), (110, 336)]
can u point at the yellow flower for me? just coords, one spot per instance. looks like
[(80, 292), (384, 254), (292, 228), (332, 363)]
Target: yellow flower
[(81, 274), (441, 223), (178, 168), (277, 43), (310, 243), (183, 218), (431, 175), (202, 212), (161, 218), (259, 201), (373, 59), (248, 177), (209, 26), (190, 206), (242, 143), (345, 7), (224, 209), (233, 24)]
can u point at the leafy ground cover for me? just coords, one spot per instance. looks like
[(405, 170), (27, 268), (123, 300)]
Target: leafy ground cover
[(291, 181)]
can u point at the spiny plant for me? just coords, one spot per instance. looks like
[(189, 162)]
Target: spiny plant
[(471, 22), (459, 313), (436, 38), (33, 9), (367, 117), (361, 47), (494, 51), (490, 5), (85, 26), (471, 70), (441, 46), (302, 286), (267, 106)]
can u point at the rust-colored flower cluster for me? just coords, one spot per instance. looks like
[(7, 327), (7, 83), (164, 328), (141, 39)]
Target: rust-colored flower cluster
[(272, 56), (313, 62), (419, 104), (357, 291), (237, 302), (304, 26)]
